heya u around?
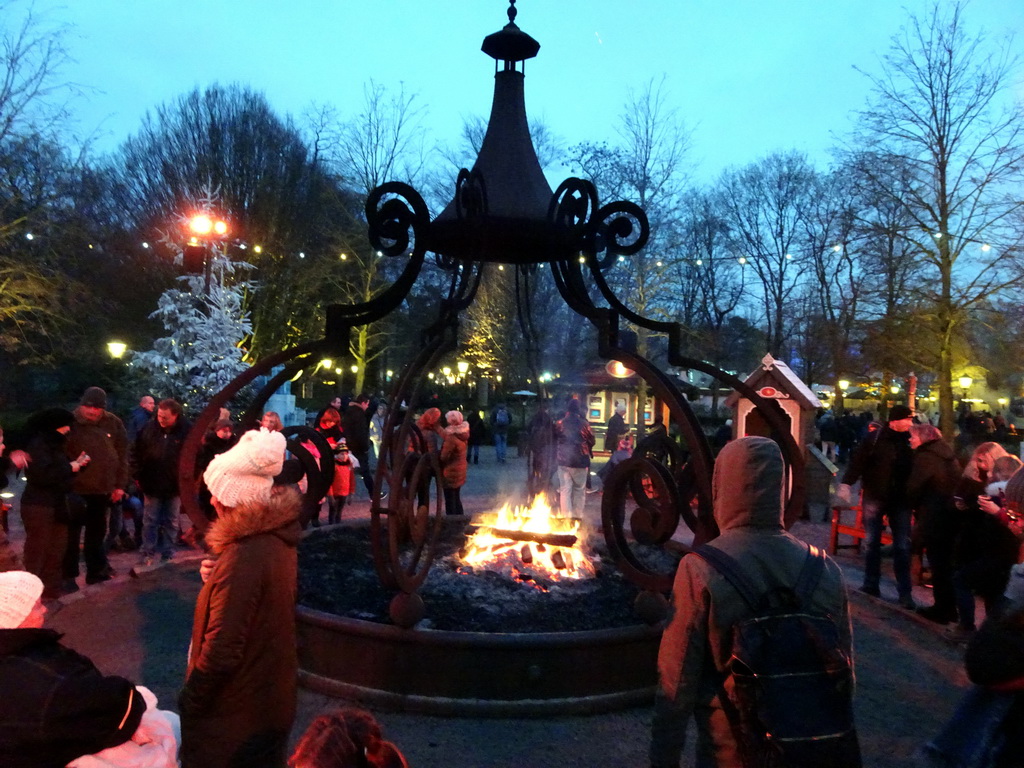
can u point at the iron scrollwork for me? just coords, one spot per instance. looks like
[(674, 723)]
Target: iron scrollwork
[(470, 195), (397, 218), (619, 229), (572, 206)]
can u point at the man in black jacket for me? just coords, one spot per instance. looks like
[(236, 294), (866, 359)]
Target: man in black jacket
[(100, 434), (882, 462), (355, 425), (155, 463)]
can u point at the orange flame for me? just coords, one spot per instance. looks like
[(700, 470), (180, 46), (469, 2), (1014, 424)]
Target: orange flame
[(488, 548)]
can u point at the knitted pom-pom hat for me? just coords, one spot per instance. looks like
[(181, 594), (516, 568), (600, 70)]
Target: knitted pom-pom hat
[(19, 592), (246, 472)]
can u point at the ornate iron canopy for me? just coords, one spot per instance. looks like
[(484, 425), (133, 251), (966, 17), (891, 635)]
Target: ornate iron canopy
[(503, 211)]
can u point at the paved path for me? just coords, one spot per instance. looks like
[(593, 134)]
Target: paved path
[(909, 674)]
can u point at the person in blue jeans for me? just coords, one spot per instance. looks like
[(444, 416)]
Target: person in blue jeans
[(882, 463), (500, 420), (155, 463)]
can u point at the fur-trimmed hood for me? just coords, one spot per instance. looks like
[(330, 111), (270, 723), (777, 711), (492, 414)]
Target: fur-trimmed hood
[(460, 431), (279, 516)]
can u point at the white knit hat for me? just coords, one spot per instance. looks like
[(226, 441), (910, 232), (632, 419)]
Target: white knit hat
[(246, 472), (19, 593)]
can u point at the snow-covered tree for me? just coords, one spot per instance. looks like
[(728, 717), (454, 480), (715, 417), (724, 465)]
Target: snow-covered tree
[(207, 323), (203, 352)]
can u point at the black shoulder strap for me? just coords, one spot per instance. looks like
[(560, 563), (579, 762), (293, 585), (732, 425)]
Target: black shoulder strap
[(810, 574), (732, 571), (727, 565)]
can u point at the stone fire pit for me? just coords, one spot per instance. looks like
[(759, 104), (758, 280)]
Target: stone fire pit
[(489, 645)]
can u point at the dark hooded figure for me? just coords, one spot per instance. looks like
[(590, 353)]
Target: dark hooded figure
[(695, 647), (44, 502)]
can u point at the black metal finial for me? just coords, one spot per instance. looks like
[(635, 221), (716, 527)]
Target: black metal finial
[(511, 43)]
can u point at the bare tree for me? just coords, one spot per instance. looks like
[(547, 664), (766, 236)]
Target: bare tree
[(271, 188), (383, 141), (42, 167), (835, 295), (647, 166), (936, 111), (767, 203)]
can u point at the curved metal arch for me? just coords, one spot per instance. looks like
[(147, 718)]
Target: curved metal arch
[(657, 517), (187, 477), (404, 482)]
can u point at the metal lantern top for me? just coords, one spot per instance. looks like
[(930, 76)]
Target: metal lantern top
[(511, 44), (501, 208)]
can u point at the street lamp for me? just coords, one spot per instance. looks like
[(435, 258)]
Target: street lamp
[(844, 384), (965, 385), (116, 349), (195, 257)]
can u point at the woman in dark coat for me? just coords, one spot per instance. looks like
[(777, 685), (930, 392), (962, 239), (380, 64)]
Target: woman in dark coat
[(934, 476), (239, 698), (986, 549), (477, 435), (44, 502)]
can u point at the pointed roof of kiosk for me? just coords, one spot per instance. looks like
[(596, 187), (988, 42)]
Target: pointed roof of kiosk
[(780, 377)]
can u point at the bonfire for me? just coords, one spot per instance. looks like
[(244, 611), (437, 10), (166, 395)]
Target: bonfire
[(529, 544)]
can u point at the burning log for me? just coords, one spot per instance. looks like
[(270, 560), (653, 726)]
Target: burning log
[(552, 539), (557, 560), (526, 554)]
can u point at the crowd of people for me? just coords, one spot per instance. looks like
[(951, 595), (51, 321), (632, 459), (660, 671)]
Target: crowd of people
[(954, 521), (238, 700)]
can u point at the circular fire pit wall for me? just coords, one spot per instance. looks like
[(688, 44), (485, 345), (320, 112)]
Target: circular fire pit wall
[(475, 673)]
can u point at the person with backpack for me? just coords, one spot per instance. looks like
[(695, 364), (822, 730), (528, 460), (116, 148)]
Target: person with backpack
[(500, 420), (753, 588)]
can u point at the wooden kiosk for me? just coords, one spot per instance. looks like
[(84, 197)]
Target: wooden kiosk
[(775, 380)]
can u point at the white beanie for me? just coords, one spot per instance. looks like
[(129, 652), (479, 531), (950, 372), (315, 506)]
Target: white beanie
[(19, 593), (245, 473)]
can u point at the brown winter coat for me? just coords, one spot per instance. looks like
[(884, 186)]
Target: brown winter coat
[(239, 698), (453, 455), (696, 644)]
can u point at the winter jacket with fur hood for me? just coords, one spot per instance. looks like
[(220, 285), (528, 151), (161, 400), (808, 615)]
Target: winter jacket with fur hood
[(696, 644), (453, 455), (238, 702)]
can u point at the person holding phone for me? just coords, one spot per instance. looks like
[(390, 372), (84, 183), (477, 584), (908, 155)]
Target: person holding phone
[(44, 502), (986, 549)]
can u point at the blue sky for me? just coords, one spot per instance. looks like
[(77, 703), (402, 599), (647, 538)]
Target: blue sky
[(748, 76)]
